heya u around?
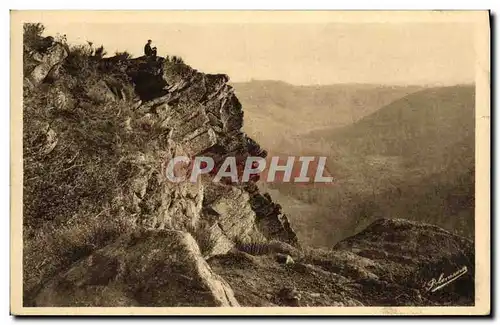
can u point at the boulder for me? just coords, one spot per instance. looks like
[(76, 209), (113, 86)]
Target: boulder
[(46, 62), (413, 255), (151, 268), (59, 98)]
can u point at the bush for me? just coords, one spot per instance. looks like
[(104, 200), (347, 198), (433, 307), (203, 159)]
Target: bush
[(32, 35), (123, 55), (174, 59), (79, 63), (83, 60), (100, 52), (177, 59)]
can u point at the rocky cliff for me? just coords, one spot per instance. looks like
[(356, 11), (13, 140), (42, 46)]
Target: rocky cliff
[(98, 135)]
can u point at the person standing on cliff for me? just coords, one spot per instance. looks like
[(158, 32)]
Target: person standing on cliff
[(147, 49)]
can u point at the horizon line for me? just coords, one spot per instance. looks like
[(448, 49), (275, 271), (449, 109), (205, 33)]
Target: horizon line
[(428, 85)]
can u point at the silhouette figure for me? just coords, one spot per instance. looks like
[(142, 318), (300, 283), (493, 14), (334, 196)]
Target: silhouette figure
[(148, 51)]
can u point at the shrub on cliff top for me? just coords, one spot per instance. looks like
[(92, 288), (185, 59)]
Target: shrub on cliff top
[(32, 35), (123, 55)]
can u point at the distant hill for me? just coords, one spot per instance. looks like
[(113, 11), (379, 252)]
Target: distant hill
[(413, 158), (422, 123), (275, 110)]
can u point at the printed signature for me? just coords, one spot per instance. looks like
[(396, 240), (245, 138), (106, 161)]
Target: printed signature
[(434, 285)]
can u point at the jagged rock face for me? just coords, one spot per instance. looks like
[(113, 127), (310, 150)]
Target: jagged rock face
[(232, 212), (201, 116), (145, 268), (46, 62)]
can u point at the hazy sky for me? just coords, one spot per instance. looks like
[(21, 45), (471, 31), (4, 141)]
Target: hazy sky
[(323, 53)]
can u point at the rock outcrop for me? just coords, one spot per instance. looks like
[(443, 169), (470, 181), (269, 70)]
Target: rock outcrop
[(391, 263), (145, 268), (201, 116), (177, 111), (46, 62), (416, 255)]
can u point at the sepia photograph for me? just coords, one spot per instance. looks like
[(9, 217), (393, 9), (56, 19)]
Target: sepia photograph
[(250, 162)]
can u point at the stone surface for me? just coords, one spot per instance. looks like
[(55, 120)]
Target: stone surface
[(145, 268), (412, 254), (284, 259), (46, 61), (200, 115), (390, 263)]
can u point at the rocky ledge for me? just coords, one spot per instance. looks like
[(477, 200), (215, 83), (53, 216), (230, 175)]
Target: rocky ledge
[(391, 263)]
